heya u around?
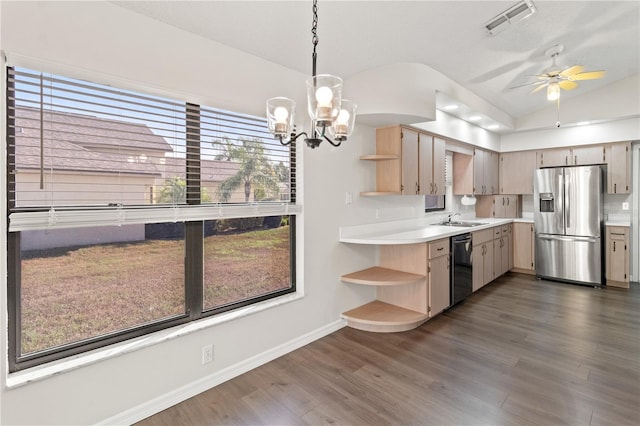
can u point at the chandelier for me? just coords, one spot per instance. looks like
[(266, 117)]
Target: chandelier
[(329, 113)]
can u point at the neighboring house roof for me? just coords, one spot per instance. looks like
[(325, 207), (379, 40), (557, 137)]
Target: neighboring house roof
[(210, 171), (66, 156), (105, 133)]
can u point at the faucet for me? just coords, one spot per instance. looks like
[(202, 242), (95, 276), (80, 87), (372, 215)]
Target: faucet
[(451, 216)]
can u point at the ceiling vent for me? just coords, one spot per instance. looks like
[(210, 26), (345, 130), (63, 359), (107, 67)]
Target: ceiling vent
[(514, 14)]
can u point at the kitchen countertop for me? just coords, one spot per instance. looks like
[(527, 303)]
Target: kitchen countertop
[(617, 223), (411, 231)]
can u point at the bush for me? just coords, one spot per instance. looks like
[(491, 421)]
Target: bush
[(239, 224)]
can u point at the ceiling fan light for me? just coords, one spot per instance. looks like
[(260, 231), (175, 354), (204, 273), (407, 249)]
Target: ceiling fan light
[(553, 92)]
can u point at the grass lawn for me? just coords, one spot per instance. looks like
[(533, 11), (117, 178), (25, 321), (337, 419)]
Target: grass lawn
[(73, 294)]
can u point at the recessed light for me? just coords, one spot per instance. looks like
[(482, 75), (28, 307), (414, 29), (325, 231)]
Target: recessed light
[(583, 123), (451, 107), (493, 127), (475, 118)]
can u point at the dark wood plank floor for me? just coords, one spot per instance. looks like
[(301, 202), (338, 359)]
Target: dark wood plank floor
[(518, 352)]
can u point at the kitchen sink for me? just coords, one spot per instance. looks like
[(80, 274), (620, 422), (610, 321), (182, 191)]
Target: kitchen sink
[(460, 224)]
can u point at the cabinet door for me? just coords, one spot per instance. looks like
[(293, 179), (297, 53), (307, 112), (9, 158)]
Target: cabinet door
[(439, 289), (510, 246), (497, 258), (389, 172), (523, 246), (587, 155), (477, 280), (410, 185), (491, 172), (617, 262), (619, 168), (553, 157), (511, 205), (504, 254), (438, 165), (516, 172), (479, 187), (488, 263), (425, 170)]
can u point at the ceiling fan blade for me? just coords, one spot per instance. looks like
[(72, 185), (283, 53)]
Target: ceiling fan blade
[(537, 89), (567, 85), (589, 75), (576, 69), (528, 84)]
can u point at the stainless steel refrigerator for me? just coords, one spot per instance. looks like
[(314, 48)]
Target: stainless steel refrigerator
[(568, 218)]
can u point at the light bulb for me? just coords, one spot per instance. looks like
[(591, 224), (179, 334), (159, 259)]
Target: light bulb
[(343, 117), (324, 95), (553, 92), (281, 114)]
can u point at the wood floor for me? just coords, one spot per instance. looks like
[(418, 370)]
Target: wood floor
[(518, 352)]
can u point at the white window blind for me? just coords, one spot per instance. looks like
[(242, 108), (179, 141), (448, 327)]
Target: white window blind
[(84, 154)]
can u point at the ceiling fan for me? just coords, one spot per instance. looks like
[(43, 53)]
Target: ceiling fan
[(555, 78)]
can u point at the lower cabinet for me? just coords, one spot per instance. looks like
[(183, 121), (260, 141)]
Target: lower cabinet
[(502, 254), (617, 256), (412, 285), (482, 258), (523, 248)]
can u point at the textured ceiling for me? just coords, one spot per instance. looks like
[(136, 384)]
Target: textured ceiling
[(448, 36)]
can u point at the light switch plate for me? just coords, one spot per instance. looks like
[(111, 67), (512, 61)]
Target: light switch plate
[(625, 206)]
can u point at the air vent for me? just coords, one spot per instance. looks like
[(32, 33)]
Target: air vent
[(514, 14)]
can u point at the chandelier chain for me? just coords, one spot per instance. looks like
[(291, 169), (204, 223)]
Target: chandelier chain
[(314, 35)]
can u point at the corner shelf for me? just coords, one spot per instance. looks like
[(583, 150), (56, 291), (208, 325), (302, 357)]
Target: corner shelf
[(383, 317), (379, 193), (379, 276), (379, 157)]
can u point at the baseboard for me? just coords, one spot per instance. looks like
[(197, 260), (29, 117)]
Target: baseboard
[(192, 389)]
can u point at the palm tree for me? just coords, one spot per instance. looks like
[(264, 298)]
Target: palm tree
[(256, 173), (174, 190)]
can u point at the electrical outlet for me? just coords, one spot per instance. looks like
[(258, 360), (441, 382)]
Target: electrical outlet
[(348, 198), (378, 213), (207, 354), (625, 206)]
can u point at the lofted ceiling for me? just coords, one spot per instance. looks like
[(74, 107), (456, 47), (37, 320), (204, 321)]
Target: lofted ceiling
[(448, 36)]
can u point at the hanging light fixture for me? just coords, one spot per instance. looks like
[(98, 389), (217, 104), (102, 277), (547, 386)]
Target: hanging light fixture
[(329, 113), (553, 91)]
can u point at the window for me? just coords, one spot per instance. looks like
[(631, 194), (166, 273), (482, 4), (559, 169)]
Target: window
[(130, 213)]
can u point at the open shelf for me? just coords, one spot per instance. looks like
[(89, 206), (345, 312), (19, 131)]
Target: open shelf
[(381, 277), (379, 193), (379, 157), (383, 318)]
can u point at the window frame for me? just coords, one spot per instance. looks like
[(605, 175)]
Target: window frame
[(193, 260)]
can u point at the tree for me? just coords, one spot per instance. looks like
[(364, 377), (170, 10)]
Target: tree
[(174, 190), (256, 173)]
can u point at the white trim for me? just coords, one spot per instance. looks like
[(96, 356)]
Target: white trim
[(63, 219), (183, 393), (44, 371)]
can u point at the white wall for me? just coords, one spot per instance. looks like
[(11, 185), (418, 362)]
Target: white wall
[(104, 42)]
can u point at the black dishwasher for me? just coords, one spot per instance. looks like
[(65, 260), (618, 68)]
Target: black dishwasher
[(462, 270)]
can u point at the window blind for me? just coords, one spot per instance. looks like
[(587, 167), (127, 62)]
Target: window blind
[(94, 154)]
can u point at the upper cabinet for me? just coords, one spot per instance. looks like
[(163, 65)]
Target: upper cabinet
[(576, 156), (553, 157), (485, 172), (408, 162), (516, 172), (619, 168)]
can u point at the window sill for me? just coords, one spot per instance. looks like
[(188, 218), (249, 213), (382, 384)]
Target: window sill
[(41, 372)]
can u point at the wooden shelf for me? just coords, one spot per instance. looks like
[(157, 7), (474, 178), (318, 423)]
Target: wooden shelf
[(379, 193), (381, 277), (383, 318), (379, 157)]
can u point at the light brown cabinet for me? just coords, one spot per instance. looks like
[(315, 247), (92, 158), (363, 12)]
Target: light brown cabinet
[(516, 172), (438, 276), (501, 250), (412, 285), (482, 258), (408, 162), (498, 206), (587, 155), (619, 168), (617, 256), (485, 172), (553, 157), (523, 248)]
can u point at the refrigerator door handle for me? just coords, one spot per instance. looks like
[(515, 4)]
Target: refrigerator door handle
[(563, 238), (567, 203)]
